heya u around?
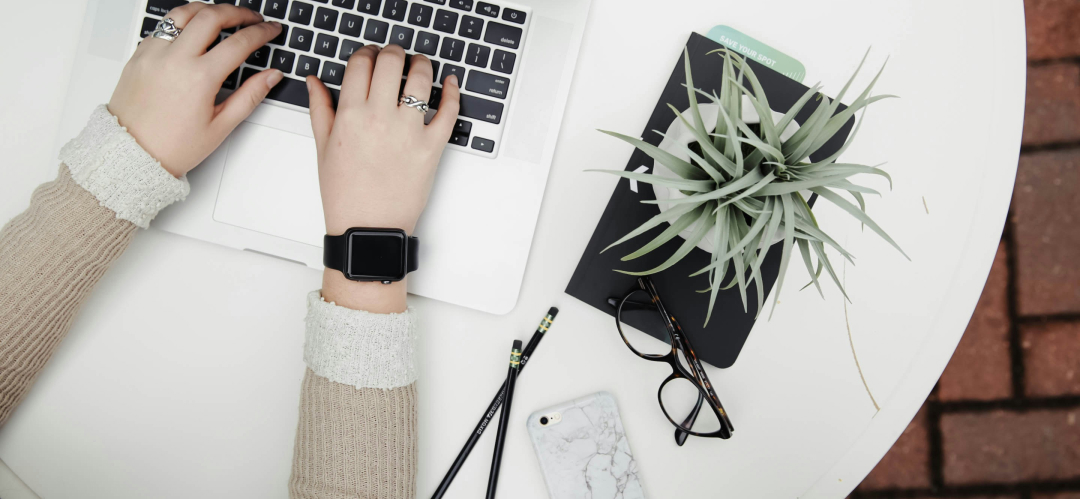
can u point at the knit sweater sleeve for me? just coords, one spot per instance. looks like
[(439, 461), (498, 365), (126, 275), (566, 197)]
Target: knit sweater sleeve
[(76, 226), (357, 432)]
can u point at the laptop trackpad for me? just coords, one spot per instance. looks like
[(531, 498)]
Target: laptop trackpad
[(270, 184)]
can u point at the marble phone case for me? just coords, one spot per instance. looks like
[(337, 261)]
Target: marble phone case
[(585, 455)]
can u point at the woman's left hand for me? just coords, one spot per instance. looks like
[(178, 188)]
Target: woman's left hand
[(166, 95)]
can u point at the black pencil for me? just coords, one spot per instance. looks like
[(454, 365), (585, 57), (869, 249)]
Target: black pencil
[(504, 418), (489, 414)]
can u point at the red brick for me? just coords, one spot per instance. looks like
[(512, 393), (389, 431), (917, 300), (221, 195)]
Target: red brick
[(1053, 28), (1051, 359), (980, 368), (1053, 104), (907, 464), (1045, 214), (1059, 495), (1008, 447)]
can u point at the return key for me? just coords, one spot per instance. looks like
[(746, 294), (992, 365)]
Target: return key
[(488, 84)]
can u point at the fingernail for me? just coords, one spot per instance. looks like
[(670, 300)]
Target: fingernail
[(275, 23), (274, 78), (453, 79)]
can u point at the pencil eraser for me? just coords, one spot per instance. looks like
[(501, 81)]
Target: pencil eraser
[(553, 311), (517, 345)]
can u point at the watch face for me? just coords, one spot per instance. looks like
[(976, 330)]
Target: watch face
[(376, 255)]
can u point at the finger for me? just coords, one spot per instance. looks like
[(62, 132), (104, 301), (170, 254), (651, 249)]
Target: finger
[(386, 79), (232, 52), (243, 101), (357, 82), (420, 78), (182, 15), (443, 122), (321, 106), (205, 27)]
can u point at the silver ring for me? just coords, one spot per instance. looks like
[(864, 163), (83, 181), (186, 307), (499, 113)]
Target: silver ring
[(414, 103), (166, 30)]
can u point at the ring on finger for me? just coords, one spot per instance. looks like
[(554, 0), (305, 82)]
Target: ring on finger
[(166, 30), (414, 103)]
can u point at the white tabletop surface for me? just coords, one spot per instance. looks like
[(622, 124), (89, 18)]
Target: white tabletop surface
[(180, 376)]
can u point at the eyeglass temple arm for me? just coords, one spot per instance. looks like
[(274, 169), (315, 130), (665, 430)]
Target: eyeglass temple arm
[(680, 435)]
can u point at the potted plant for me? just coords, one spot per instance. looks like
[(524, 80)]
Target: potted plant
[(737, 189)]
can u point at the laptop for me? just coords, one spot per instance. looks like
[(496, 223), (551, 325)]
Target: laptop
[(259, 191)]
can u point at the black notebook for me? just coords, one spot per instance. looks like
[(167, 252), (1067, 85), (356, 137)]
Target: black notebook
[(595, 279)]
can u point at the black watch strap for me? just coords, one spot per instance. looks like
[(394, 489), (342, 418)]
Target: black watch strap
[(335, 253)]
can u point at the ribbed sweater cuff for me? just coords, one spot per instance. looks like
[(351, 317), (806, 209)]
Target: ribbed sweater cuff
[(358, 348), (107, 161)]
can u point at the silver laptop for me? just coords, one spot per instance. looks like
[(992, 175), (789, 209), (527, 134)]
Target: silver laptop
[(259, 191)]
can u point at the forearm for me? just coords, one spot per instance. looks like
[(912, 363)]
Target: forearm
[(53, 254)]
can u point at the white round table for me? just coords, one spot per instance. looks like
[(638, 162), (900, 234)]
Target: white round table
[(180, 376)]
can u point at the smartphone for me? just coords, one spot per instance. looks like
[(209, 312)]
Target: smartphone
[(585, 434)]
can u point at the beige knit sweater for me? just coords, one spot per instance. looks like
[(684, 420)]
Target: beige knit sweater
[(357, 431)]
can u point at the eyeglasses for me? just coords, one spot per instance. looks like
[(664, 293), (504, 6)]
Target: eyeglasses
[(687, 389)]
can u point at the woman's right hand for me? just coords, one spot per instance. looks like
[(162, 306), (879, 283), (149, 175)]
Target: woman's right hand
[(377, 159)]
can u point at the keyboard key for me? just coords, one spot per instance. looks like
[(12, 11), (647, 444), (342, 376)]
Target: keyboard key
[(459, 140), (148, 25), (436, 97), (401, 36), (350, 25), (247, 73), (461, 4), (451, 69), (477, 55), (282, 37), (427, 43), (282, 60), (395, 9), (332, 73), (326, 45), (276, 9), (326, 19), (369, 7), (462, 126), (514, 16), (376, 31), (307, 66), (420, 15), (162, 7), (481, 109), (445, 21), (488, 84), (290, 91), (347, 49), (301, 39), (471, 27), (501, 34), (345, 4), (487, 9), (323, 1), (335, 96), (503, 61), (260, 58), (452, 49), (255, 5), (408, 66), (436, 2), (482, 144), (300, 13), (231, 80)]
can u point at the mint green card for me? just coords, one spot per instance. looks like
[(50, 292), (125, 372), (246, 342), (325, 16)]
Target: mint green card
[(758, 51)]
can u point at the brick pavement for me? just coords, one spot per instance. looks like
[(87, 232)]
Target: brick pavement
[(1004, 420)]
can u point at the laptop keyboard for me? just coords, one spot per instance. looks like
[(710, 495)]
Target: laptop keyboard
[(480, 42)]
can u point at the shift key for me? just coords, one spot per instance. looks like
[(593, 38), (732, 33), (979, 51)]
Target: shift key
[(481, 109), (488, 84)]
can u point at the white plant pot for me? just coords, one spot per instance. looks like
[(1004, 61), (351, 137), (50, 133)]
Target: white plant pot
[(678, 135)]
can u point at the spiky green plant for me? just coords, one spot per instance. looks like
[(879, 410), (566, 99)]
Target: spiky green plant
[(749, 185)]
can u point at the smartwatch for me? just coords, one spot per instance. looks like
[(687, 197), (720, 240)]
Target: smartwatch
[(374, 255)]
